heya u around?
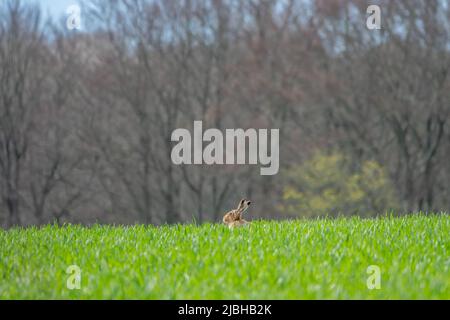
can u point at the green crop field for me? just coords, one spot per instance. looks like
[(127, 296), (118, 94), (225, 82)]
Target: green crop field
[(298, 259)]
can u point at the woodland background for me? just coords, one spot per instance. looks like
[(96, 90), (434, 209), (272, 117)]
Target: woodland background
[(86, 115)]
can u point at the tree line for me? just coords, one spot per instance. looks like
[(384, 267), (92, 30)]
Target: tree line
[(86, 116)]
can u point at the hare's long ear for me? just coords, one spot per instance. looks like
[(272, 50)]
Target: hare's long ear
[(241, 204)]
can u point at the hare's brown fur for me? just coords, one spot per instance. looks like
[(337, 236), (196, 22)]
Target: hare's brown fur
[(234, 218)]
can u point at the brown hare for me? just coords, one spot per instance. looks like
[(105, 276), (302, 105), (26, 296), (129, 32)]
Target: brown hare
[(234, 218)]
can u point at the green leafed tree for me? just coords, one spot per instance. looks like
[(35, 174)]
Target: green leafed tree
[(330, 185)]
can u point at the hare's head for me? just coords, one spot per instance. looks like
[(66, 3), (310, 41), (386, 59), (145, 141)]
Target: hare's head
[(243, 205)]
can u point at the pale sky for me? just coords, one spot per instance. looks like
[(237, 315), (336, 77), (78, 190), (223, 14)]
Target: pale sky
[(56, 8)]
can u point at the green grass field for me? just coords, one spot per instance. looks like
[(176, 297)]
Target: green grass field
[(300, 259)]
